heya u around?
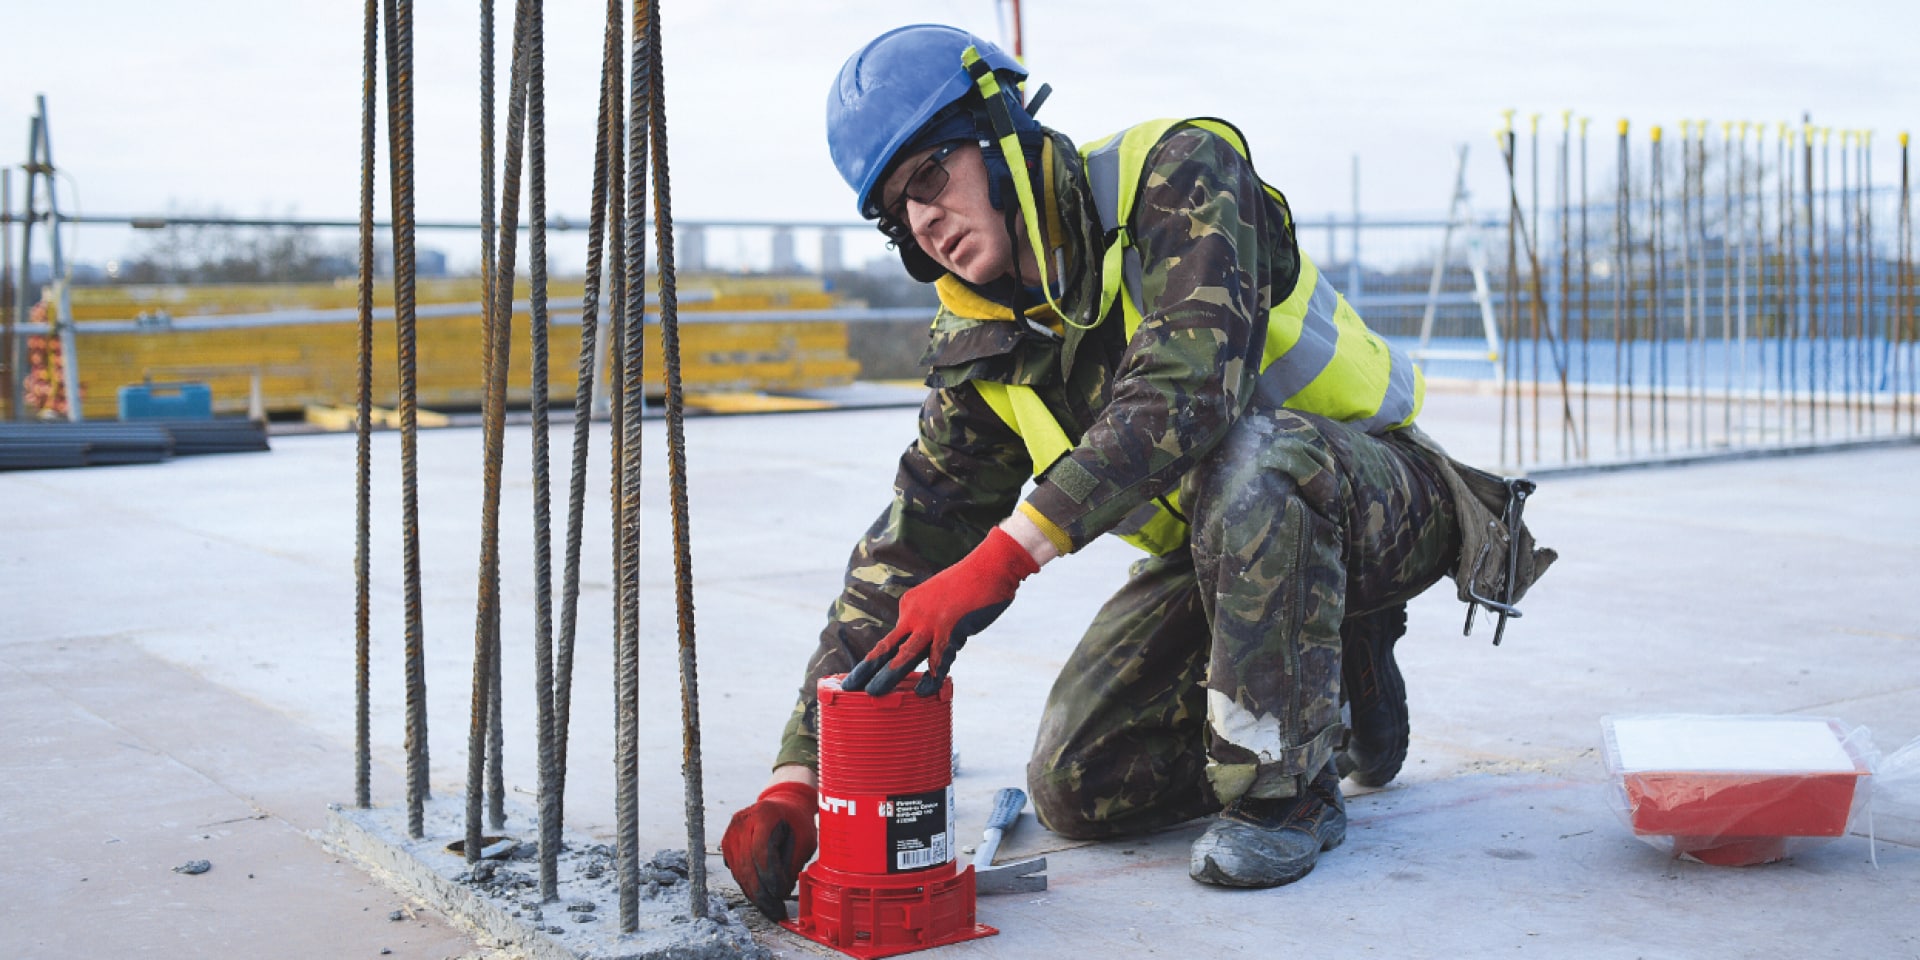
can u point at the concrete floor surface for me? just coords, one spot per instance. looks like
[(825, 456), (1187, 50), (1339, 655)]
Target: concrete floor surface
[(176, 681)]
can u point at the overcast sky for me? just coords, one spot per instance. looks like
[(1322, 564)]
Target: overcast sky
[(253, 107)]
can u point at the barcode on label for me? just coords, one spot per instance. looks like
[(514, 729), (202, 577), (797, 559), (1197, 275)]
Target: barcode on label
[(926, 857)]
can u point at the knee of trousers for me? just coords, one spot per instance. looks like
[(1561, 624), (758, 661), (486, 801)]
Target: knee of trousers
[(1266, 458), (1061, 805)]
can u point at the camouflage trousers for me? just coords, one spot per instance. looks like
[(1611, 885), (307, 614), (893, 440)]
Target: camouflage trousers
[(1214, 673)]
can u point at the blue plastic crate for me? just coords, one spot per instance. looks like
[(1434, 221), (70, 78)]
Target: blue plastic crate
[(166, 401)]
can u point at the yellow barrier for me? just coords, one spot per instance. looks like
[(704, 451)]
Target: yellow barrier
[(314, 364)]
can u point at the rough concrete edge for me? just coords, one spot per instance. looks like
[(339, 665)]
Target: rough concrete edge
[(375, 839), (400, 870)]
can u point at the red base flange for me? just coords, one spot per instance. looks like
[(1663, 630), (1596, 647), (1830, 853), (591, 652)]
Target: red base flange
[(863, 918)]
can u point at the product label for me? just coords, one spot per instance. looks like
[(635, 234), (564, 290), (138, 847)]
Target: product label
[(919, 830)]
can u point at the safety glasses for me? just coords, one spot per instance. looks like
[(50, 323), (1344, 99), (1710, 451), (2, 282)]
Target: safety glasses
[(924, 185)]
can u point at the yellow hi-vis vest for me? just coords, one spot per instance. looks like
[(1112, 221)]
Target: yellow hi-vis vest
[(1319, 355)]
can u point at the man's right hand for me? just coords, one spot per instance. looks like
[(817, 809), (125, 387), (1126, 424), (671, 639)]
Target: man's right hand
[(769, 841)]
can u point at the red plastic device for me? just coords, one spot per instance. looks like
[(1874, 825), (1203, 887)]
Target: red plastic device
[(886, 881)]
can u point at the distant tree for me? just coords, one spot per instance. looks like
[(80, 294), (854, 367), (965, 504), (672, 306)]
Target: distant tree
[(891, 288), (221, 253)]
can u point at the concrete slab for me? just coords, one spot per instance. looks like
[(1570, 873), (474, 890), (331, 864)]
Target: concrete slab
[(1768, 586), (116, 768)]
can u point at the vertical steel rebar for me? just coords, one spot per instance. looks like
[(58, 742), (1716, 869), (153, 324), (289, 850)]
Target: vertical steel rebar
[(499, 353), (1702, 356), (1687, 253), (1823, 304), (1760, 256), (489, 353), (1740, 281), (677, 480), (1657, 436), (1869, 362), (1511, 305), (1534, 302), (543, 652), (1790, 300), (1849, 320), (363, 430), (1622, 260), (1905, 355), (1809, 266), (1727, 283), (613, 51), (399, 46), (640, 99), (1586, 304), (496, 792), (1563, 187)]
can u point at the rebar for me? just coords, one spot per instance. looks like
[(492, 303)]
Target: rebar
[(399, 45), (1790, 313), (613, 50), (1622, 300), (677, 479), (363, 432), (1688, 250), (1562, 189), (499, 322), (1868, 357), (543, 652), (1656, 305), (1760, 256), (1825, 275), (1904, 304), (640, 100), (1586, 302), (1849, 319), (1809, 305), (1510, 303), (1533, 303)]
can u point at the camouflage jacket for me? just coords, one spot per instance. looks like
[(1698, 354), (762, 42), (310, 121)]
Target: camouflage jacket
[(1217, 253)]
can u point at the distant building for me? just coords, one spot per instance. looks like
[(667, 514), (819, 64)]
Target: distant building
[(783, 258), (831, 259), (691, 249)]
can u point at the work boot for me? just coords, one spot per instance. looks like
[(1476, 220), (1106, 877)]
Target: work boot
[(1376, 697), (1267, 843)]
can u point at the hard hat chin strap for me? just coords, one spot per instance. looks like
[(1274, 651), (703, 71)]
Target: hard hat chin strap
[(1015, 159)]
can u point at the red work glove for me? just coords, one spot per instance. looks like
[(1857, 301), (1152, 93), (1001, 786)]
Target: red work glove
[(938, 616), (768, 842)]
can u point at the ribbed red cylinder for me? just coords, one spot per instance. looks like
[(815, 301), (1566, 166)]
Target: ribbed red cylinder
[(895, 743), (886, 881)]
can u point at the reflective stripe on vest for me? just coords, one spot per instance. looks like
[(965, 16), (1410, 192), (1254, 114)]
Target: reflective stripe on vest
[(1319, 356), (1152, 527)]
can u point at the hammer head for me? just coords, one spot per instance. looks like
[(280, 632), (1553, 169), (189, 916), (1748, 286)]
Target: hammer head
[(1020, 876)]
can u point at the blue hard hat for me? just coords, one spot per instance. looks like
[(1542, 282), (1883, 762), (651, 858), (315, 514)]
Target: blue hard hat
[(890, 89)]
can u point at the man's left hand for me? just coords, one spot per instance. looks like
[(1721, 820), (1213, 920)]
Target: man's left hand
[(938, 616)]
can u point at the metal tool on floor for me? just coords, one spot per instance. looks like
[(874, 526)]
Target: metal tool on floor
[(1021, 876)]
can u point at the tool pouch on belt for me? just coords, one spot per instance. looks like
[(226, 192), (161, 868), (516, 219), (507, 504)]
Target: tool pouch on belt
[(1481, 501)]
